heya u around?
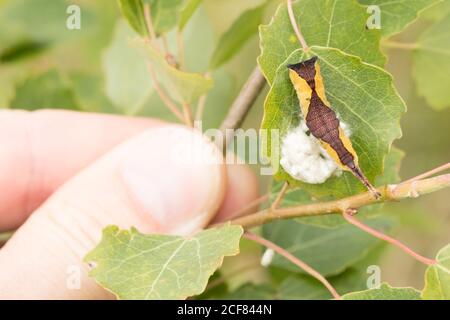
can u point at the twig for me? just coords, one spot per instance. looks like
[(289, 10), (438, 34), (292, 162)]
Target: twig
[(430, 173), (296, 28), (388, 193), (387, 238), (280, 197), (294, 260), (169, 103), (242, 104)]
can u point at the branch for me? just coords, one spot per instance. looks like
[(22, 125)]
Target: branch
[(244, 101), (408, 189), (294, 260)]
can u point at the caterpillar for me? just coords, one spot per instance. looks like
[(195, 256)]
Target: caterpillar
[(322, 120)]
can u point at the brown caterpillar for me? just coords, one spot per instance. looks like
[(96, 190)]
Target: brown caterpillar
[(322, 120)]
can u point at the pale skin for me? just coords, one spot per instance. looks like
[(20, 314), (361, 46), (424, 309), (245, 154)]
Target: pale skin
[(76, 173)]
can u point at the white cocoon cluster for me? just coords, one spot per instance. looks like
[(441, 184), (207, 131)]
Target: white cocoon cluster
[(303, 157)]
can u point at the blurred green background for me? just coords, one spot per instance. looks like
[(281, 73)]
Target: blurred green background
[(45, 65)]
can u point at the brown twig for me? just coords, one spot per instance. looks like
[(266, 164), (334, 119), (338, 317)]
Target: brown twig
[(430, 173), (388, 193), (380, 235), (242, 104), (294, 260)]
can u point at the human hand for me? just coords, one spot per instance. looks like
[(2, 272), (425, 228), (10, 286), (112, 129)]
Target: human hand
[(76, 173)]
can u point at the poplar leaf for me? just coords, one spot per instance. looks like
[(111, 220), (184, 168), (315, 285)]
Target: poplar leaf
[(251, 291), (165, 14), (385, 292), (362, 95), (182, 86), (133, 11), (47, 90), (431, 64), (187, 12), (437, 278), (329, 23), (128, 82), (328, 250), (236, 36), (397, 15), (137, 266)]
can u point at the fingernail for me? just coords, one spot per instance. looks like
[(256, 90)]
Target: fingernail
[(175, 179)]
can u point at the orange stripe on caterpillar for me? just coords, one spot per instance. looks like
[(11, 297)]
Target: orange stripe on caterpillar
[(321, 119)]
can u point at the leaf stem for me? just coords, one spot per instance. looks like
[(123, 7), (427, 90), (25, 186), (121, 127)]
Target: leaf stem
[(400, 191), (352, 220), (308, 269), (149, 23), (187, 114), (165, 99), (201, 103), (295, 26)]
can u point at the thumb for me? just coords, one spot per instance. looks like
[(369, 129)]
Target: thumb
[(166, 180)]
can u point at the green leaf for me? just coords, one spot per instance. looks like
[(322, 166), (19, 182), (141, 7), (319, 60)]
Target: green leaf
[(182, 86), (137, 266), (329, 23), (128, 81), (251, 291), (49, 90), (39, 21), (89, 92), (10, 76), (437, 11), (365, 99), (236, 36), (437, 277), (165, 14), (385, 292), (431, 64), (133, 11), (287, 285), (187, 12), (328, 250), (397, 15)]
